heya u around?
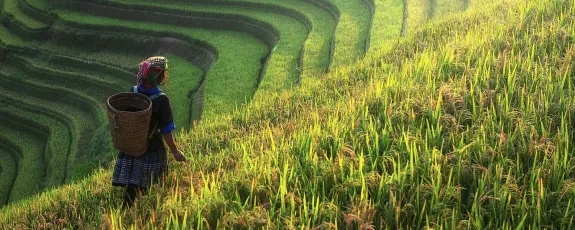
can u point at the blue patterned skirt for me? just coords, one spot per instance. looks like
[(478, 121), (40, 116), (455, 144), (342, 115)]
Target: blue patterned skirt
[(143, 170)]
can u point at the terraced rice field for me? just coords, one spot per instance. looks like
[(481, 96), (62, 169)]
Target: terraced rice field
[(62, 59)]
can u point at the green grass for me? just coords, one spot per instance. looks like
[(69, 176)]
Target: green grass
[(97, 86), (78, 79), (59, 143), (352, 31), (10, 39), (32, 167), (81, 114), (9, 160), (42, 5), (420, 12), (283, 64), (417, 14), (60, 151), (475, 4), (238, 63), (444, 8), (73, 66), (84, 113), (46, 63), (387, 24), (318, 44), (183, 77), (11, 7), (123, 60)]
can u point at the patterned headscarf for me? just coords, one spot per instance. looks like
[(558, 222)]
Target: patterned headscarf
[(152, 63)]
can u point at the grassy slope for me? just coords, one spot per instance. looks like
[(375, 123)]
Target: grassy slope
[(55, 156), (238, 63), (9, 38), (31, 92), (42, 5), (317, 45), (56, 175), (282, 65), (183, 77), (441, 126), (46, 61), (85, 130), (46, 75), (182, 73), (98, 87), (387, 24), (417, 15), (11, 7), (474, 4), (32, 167), (420, 12), (180, 77), (9, 158), (122, 60), (351, 32), (446, 7)]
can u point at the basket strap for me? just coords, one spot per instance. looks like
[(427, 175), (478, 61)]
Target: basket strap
[(152, 97), (156, 95), (152, 134)]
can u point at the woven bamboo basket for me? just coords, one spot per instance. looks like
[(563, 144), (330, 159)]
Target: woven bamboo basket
[(129, 117)]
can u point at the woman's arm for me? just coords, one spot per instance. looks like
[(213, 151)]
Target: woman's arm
[(169, 138)]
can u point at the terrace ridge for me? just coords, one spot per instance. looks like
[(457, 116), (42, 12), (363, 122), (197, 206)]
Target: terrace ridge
[(11, 151), (57, 116), (37, 142)]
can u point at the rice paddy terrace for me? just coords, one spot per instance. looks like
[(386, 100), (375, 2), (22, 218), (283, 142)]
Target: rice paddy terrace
[(299, 114), (61, 59)]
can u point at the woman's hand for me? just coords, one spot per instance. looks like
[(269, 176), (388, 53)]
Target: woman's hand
[(179, 156), (169, 138)]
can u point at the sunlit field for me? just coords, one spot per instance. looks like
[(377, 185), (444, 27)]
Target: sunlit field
[(296, 114)]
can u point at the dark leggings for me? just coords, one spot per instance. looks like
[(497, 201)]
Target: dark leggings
[(131, 194)]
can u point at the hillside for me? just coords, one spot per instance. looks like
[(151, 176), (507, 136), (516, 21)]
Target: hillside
[(466, 122)]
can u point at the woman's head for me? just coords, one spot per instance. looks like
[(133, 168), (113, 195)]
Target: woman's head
[(154, 78), (153, 72)]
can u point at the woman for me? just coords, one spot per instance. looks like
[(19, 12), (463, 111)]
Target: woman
[(136, 174)]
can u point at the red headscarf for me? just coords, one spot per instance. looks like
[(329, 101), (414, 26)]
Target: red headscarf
[(153, 63)]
